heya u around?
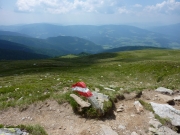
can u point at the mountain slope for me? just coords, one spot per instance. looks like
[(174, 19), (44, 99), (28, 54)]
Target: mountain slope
[(107, 35), (15, 51), (76, 44), (172, 30), (19, 55), (55, 46), (9, 33)]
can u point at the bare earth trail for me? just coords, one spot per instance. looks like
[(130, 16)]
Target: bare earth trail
[(61, 120)]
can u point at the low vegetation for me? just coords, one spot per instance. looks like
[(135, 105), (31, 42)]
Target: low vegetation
[(26, 82), (33, 130)]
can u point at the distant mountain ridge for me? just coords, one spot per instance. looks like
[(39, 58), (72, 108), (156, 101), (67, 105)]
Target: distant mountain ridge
[(9, 33), (172, 30), (55, 46), (106, 35)]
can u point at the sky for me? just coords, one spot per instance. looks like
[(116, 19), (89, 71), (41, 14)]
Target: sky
[(90, 12)]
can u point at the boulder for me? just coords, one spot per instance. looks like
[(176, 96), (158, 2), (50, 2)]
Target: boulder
[(167, 111), (164, 90)]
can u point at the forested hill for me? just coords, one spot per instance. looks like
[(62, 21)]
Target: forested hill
[(14, 51), (55, 46)]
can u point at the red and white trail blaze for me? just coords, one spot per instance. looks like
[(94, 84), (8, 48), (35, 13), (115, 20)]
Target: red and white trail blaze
[(81, 88)]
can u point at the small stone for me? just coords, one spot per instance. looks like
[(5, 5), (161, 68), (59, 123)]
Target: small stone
[(138, 106), (134, 133), (122, 127), (120, 108)]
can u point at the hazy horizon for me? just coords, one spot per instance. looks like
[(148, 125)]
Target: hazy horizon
[(90, 12)]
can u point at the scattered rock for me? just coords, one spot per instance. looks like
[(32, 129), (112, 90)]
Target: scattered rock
[(164, 90), (167, 111), (12, 131), (120, 108), (106, 130), (106, 88), (81, 102), (138, 106)]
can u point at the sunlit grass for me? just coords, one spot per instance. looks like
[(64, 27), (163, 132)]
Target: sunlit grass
[(26, 82)]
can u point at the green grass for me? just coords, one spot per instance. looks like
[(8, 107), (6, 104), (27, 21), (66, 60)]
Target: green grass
[(25, 82), (33, 130)]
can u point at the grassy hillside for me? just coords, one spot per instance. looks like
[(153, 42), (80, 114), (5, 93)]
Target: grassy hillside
[(26, 82), (131, 48)]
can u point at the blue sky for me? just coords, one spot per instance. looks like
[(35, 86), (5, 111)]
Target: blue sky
[(95, 12)]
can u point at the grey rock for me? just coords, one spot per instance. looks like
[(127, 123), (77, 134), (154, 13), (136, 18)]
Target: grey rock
[(159, 129), (164, 90), (156, 124), (166, 131), (177, 98), (167, 111), (98, 99), (106, 130), (12, 131), (163, 130)]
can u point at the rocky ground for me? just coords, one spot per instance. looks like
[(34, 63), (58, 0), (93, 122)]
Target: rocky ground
[(127, 120)]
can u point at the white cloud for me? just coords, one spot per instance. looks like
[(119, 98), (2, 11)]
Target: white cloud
[(123, 10), (168, 6), (66, 6), (137, 5)]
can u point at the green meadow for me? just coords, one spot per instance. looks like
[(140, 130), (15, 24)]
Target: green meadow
[(25, 82)]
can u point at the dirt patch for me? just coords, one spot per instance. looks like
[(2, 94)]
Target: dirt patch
[(61, 120)]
